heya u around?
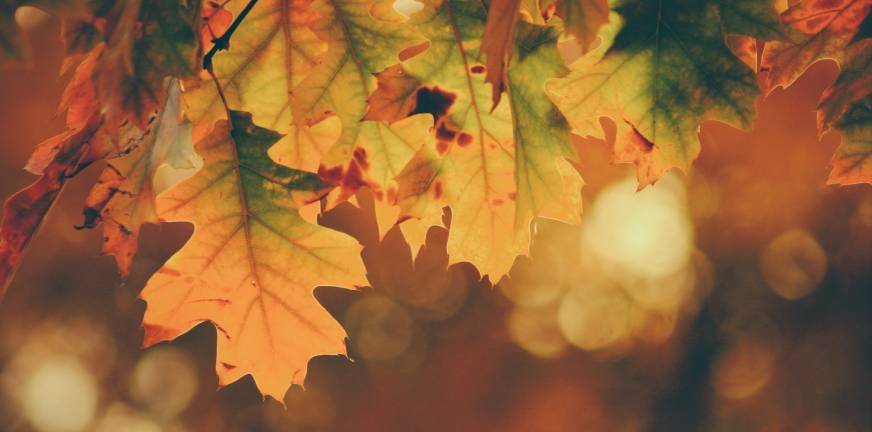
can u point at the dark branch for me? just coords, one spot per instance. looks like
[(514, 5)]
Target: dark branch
[(223, 42)]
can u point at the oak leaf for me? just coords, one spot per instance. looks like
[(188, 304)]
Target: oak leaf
[(363, 38), (852, 162), (822, 30), (252, 262), (664, 67), (151, 39), (854, 83), (847, 107), (271, 52), (495, 169)]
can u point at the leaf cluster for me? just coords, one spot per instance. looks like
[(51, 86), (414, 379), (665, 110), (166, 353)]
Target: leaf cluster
[(249, 118)]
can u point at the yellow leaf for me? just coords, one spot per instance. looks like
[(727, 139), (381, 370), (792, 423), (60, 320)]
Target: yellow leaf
[(496, 170)]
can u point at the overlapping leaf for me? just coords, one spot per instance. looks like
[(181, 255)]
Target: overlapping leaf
[(281, 72), (852, 162), (152, 39), (252, 262), (663, 69), (124, 197), (822, 30), (24, 211), (363, 38), (847, 107), (495, 169), (583, 18), (120, 70), (271, 52), (497, 41), (350, 89), (119, 74)]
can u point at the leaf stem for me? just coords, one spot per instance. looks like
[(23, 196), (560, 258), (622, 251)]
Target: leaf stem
[(223, 42), (220, 93)]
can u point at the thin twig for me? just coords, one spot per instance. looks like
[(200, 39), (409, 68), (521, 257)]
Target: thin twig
[(223, 42)]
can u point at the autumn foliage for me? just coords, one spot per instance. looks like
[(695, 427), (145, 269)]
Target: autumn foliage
[(250, 119)]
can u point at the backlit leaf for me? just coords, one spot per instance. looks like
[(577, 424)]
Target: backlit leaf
[(151, 40), (124, 197), (663, 69), (823, 29), (847, 107), (252, 262), (852, 162), (271, 52), (854, 83), (583, 18), (499, 169), (363, 38)]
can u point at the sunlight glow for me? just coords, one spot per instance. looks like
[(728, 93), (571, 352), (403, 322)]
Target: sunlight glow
[(120, 417), (665, 293), (408, 7), (380, 328), (60, 396), (645, 234), (168, 176), (863, 213), (165, 381), (744, 370), (52, 380), (595, 318), (527, 288), (29, 17), (793, 264), (634, 275), (537, 333)]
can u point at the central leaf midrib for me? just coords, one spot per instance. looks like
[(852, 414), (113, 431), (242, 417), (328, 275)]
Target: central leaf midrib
[(351, 47), (246, 225)]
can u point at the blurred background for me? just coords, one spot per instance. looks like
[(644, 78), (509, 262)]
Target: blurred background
[(737, 297)]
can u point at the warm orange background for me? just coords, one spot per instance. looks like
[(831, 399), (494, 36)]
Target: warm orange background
[(745, 359)]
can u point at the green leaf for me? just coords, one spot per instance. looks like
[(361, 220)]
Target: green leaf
[(847, 107), (270, 54), (151, 40), (663, 69), (756, 18), (583, 19), (363, 37), (852, 162), (854, 83)]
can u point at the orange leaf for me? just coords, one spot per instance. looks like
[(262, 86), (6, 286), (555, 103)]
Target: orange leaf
[(496, 43), (24, 211), (824, 27), (252, 262)]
